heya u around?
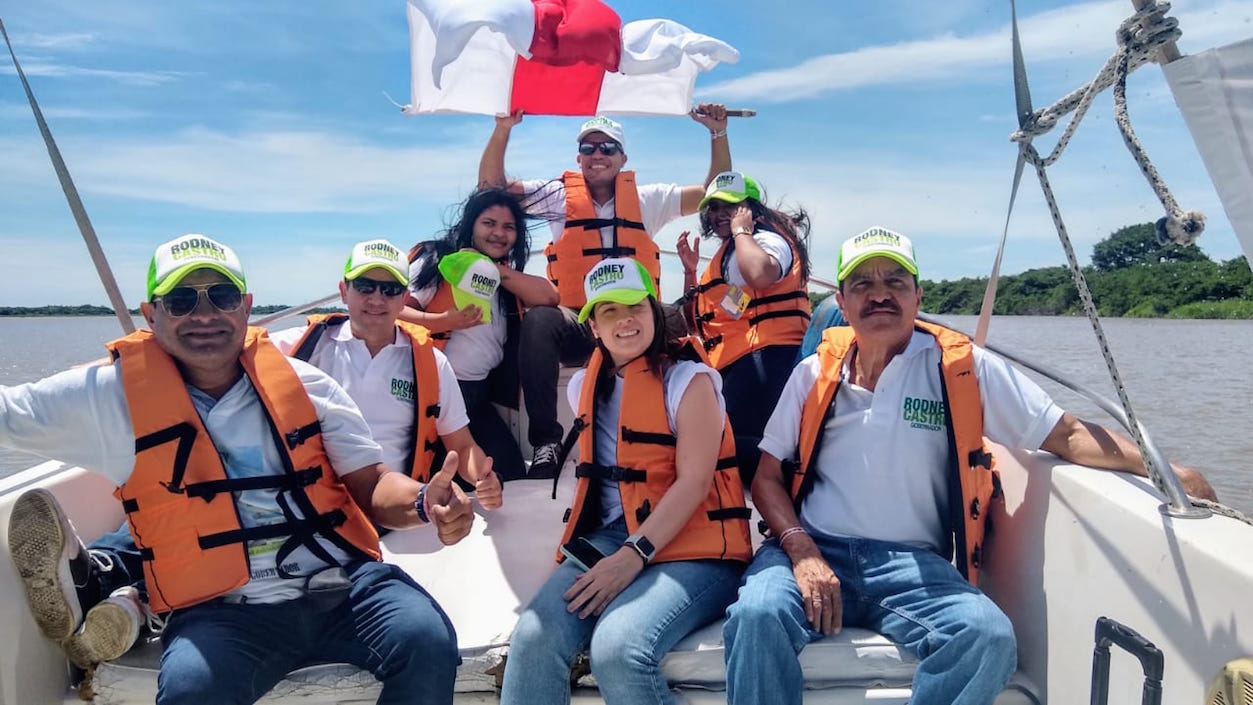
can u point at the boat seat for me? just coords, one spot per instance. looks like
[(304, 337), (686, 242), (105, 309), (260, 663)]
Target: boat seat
[(507, 556)]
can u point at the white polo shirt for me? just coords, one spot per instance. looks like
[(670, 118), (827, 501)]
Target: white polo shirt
[(883, 461), (81, 417), (475, 351), (659, 204), (382, 386)]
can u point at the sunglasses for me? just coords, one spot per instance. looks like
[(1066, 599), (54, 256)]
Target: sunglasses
[(182, 300), (365, 287), (606, 148)]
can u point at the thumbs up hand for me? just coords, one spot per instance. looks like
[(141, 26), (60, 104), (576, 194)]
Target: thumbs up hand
[(488, 488), (448, 507)]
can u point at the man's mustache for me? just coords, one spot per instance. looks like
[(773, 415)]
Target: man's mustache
[(886, 306)]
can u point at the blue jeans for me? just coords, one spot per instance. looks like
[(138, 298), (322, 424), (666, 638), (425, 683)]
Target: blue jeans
[(491, 432), (665, 602), (964, 643), (751, 387), (825, 316), (234, 653)]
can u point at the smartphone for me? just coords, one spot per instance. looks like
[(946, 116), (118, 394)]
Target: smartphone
[(582, 553)]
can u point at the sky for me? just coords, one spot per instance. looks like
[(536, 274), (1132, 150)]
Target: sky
[(271, 127)]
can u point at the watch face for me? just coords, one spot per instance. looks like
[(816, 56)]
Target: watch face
[(646, 546)]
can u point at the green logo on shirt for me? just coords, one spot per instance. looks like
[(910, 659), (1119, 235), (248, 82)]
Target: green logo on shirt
[(402, 389), (924, 414)]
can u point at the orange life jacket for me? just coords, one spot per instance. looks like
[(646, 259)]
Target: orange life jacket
[(179, 501), (572, 255), (645, 470), (425, 382), (973, 483), (775, 315)]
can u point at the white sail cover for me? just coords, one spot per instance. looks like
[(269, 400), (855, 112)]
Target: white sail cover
[(1214, 91)]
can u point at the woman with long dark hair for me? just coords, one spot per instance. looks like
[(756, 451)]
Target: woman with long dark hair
[(468, 289), (751, 306), (658, 533)]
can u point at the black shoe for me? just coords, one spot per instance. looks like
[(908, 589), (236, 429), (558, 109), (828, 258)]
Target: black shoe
[(544, 464)]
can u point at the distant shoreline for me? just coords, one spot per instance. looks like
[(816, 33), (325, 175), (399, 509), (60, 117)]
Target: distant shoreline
[(88, 310)]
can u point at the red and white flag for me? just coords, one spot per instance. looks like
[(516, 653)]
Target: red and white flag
[(551, 57)]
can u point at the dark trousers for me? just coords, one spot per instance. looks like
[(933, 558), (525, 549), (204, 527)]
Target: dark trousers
[(551, 337), (751, 387), (125, 567), (491, 432)]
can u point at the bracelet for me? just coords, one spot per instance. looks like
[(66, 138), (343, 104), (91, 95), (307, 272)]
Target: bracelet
[(742, 231), (419, 506), (788, 532), (720, 133)]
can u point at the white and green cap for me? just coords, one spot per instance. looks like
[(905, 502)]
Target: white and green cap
[(474, 278), (379, 254), (621, 280), (875, 242), (603, 124), (181, 256), (732, 187)]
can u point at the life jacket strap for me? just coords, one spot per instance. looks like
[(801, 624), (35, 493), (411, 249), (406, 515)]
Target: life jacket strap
[(610, 473)]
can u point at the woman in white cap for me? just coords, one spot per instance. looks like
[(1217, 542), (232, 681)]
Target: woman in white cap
[(468, 289), (751, 306), (658, 534)]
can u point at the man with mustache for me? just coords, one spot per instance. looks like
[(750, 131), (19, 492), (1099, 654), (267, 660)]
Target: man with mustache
[(888, 420)]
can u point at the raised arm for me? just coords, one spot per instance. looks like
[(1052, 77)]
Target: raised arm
[(714, 117), (530, 289), (492, 163), (1086, 443)]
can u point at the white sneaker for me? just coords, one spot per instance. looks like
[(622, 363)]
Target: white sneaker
[(108, 631), (51, 561)]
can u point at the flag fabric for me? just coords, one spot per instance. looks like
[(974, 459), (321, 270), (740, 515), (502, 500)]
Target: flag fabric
[(551, 57)]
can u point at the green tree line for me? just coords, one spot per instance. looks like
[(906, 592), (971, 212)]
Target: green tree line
[(1131, 275)]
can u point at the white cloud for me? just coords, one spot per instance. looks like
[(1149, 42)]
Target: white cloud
[(131, 78), (65, 40), (1063, 34)]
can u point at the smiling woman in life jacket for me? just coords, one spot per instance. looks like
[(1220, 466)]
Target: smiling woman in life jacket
[(751, 306), (469, 290), (658, 494)]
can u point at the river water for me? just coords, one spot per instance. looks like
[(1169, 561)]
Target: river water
[(1190, 382)]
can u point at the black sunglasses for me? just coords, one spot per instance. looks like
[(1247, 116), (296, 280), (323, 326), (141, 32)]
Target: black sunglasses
[(365, 287), (182, 300), (606, 148)]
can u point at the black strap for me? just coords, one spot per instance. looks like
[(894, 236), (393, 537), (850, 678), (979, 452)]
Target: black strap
[(606, 252), (711, 343), (285, 482), (432, 411), (610, 473), (811, 474), (598, 223), (729, 513), (311, 338), (777, 314), (777, 298), (567, 445), (271, 531), (980, 458), (661, 439), (702, 288), (185, 434), (302, 434), (728, 463)]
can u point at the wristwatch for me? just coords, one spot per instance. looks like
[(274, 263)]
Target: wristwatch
[(642, 546), (741, 231)]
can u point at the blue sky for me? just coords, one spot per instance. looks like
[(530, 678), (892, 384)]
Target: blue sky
[(265, 125)]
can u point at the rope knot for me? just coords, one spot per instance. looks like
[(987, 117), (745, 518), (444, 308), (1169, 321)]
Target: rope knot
[(1180, 228)]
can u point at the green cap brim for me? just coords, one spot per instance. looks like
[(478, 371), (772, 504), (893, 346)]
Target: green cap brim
[(722, 196), (174, 278), (626, 297), (852, 264), (402, 277)]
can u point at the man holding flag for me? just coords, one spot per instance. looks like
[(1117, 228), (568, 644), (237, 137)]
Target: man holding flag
[(594, 213)]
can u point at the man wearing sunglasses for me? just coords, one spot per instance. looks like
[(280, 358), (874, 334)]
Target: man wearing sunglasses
[(249, 481), (392, 370), (595, 213)]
